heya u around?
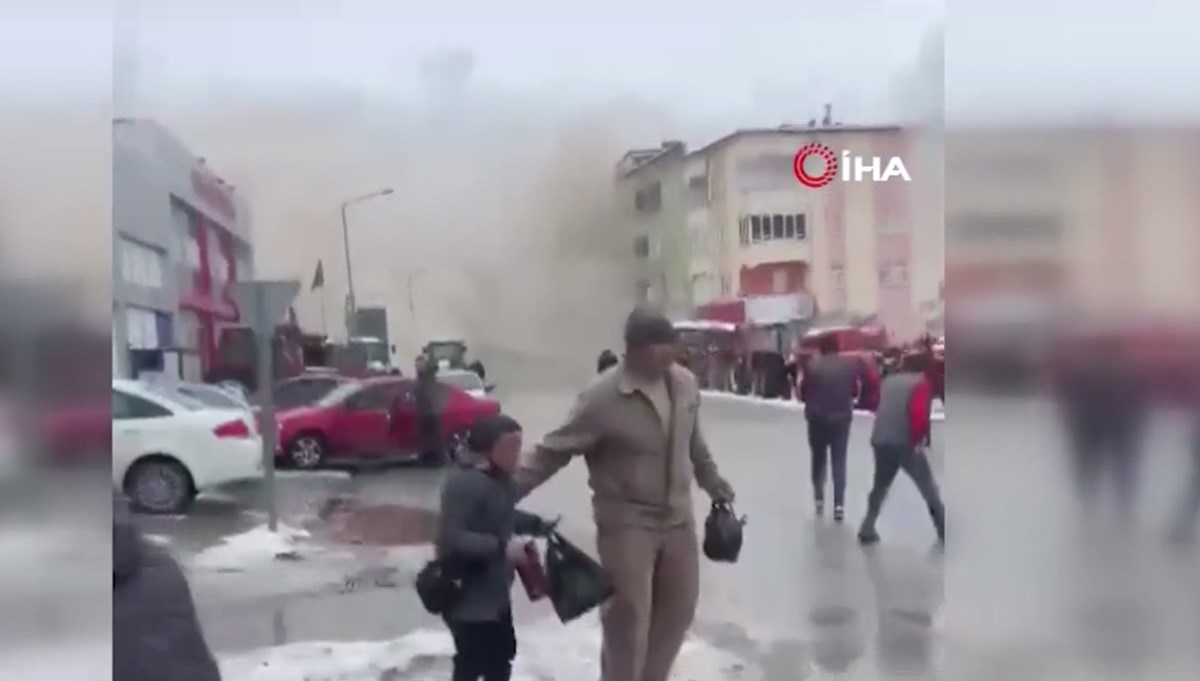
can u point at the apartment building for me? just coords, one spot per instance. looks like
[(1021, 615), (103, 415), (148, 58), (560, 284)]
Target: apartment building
[(181, 236), (748, 229), (1046, 222)]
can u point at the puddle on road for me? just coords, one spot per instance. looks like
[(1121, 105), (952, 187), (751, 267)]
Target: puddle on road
[(350, 521)]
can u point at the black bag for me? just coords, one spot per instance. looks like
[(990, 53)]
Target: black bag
[(723, 534), (439, 587), (577, 583)]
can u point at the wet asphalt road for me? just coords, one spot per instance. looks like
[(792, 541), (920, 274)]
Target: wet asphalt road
[(805, 599)]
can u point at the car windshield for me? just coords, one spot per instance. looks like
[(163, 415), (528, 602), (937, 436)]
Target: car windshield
[(463, 380), (445, 351), (375, 352), (338, 394)]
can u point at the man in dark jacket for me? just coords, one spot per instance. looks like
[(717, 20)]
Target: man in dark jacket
[(900, 439), (156, 635), (478, 520), (429, 424), (1104, 405), (828, 388)]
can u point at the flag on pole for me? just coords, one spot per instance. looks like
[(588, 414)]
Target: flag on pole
[(318, 277)]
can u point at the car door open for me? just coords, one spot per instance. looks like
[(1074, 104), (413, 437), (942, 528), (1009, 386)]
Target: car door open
[(368, 423)]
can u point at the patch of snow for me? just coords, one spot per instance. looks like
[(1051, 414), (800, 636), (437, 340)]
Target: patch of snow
[(547, 649), (253, 548)]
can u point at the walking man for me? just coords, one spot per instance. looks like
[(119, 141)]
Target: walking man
[(429, 426), (900, 439), (637, 428), (828, 389)]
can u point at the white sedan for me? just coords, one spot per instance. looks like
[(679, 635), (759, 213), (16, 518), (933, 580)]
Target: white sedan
[(168, 448)]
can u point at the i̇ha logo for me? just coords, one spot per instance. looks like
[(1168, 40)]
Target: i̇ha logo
[(815, 165)]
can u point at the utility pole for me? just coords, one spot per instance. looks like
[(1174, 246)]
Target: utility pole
[(351, 302)]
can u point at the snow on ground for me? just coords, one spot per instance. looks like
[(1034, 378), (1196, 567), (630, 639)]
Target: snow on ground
[(253, 548), (939, 409), (547, 649)]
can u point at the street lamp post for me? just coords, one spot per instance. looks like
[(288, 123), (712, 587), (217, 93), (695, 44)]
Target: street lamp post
[(351, 302), (412, 308)]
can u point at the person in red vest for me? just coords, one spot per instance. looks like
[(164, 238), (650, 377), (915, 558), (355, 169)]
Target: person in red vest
[(901, 438)]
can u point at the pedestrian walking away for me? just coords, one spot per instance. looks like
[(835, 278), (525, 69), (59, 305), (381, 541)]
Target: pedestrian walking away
[(900, 439), (478, 520), (637, 429), (1105, 411), (828, 388)]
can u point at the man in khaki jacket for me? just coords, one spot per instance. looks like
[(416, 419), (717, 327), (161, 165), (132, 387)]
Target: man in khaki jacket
[(636, 426)]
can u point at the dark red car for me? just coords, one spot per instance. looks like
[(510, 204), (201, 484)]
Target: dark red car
[(373, 421)]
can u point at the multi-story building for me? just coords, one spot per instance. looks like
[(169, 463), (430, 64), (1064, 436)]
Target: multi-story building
[(181, 236), (652, 188), (746, 228)]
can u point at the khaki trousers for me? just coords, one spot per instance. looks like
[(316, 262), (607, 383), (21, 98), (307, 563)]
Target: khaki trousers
[(656, 579)]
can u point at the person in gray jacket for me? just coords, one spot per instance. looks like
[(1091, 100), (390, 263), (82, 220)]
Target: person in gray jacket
[(156, 634), (900, 438), (828, 389), (478, 520)]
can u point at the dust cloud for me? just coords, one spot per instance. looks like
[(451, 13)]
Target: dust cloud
[(502, 228)]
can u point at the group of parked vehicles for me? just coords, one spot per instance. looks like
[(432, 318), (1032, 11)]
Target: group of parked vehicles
[(172, 440)]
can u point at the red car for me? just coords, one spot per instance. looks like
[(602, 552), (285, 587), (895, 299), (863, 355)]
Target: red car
[(373, 421)]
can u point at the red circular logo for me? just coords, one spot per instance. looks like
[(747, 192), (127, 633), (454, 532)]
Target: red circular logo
[(810, 179)]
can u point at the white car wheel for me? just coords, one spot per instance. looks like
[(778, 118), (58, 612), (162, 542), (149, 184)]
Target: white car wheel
[(160, 486), (306, 452)]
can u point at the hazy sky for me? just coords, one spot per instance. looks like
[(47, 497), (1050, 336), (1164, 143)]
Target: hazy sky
[(751, 59)]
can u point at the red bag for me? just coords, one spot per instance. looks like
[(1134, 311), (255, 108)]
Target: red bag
[(533, 575)]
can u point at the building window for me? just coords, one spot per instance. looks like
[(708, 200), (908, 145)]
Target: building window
[(766, 172), (893, 275), (641, 246), (779, 280), (142, 328), (141, 265), (648, 199), (697, 191), (839, 277), (754, 229)]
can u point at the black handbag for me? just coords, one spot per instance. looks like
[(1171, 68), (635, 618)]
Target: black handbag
[(439, 587), (576, 583), (723, 533)]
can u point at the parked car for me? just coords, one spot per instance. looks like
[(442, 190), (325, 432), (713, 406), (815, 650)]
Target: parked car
[(373, 420), (465, 380), (167, 448)]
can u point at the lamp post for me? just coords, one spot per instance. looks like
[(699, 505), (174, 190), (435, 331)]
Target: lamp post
[(351, 303), (412, 308)]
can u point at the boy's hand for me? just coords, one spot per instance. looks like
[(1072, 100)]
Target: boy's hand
[(516, 554)]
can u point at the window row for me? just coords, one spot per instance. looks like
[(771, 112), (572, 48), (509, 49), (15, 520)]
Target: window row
[(753, 229), (141, 265), (648, 199)]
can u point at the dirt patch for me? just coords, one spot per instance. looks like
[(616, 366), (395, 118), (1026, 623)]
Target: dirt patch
[(350, 521)]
